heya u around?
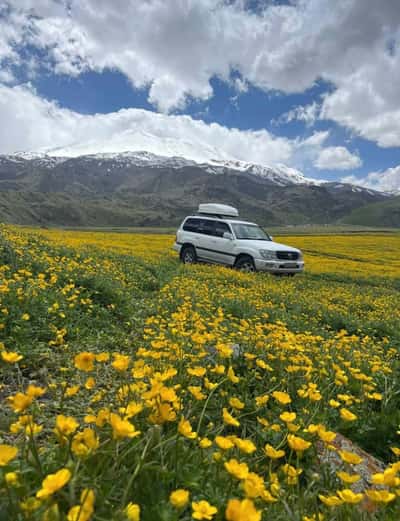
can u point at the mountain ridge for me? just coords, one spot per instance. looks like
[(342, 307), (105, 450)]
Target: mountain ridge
[(142, 188)]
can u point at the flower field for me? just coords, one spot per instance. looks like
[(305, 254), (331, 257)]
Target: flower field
[(133, 387)]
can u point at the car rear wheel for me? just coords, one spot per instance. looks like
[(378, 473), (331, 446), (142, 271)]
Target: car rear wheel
[(245, 264), (188, 255)]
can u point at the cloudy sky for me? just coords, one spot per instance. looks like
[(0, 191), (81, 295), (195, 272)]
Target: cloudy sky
[(314, 84)]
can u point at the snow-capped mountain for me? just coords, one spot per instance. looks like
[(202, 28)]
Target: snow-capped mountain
[(140, 187), (134, 140), (280, 175), (136, 145)]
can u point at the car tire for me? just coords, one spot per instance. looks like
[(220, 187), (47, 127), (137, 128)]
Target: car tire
[(245, 264), (188, 255)]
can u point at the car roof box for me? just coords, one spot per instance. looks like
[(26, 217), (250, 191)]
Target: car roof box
[(219, 210)]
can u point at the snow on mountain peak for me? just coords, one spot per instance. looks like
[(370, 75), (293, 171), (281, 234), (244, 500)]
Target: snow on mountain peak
[(136, 142), (279, 174), (139, 147)]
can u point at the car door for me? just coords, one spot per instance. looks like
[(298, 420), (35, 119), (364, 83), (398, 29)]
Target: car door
[(190, 231), (223, 247), (205, 240)]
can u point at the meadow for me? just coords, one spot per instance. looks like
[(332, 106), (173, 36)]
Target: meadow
[(133, 387)]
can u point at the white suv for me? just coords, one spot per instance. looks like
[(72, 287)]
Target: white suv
[(216, 235)]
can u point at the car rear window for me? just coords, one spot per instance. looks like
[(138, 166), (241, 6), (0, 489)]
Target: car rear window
[(191, 225)]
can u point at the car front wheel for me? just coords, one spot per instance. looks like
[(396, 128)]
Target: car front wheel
[(188, 255), (245, 264)]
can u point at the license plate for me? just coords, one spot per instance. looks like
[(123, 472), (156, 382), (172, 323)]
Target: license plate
[(289, 265)]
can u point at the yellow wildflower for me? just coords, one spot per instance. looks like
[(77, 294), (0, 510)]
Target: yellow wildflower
[(34, 391), (65, 425), (53, 482), (298, 444), (122, 428), (288, 417), (273, 453), (253, 485), (196, 371), (132, 409), (292, 473), (388, 477), (204, 443), (330, 501), (186, 430), (11, 479), (132, 511), (203, 510), (229, 419), (195, 390), (237, 469), (262, 400), (7, 454), (71, 390), (121, 362), (380, 496), (244, 510), (348, 496), (348, 478), (179, 498), (347, 415), (224, 443), (90, 383), (84, 510), (20, 401), (85, 361), (350, 457), (11, 357), (85, 442), (282, 397), (236, 403), (231, 375), (246, 446), (326, 436)]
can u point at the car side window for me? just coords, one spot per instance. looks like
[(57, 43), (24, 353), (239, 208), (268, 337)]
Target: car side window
[(191, 225), (221, 228), (206, 227)]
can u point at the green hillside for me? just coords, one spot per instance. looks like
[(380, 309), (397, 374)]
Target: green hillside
[(386, 213)]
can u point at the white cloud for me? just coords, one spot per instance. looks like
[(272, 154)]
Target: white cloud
[(307, 113), (240, 85), (175, 47), (367, 101), (337, 158), (6, 76), (30, 123), (317, 139), (386, 181)]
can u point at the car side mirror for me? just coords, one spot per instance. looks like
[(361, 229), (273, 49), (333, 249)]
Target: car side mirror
[(271, 238), (228, 235)]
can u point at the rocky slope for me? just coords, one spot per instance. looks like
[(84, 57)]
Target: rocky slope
[(138, 188)]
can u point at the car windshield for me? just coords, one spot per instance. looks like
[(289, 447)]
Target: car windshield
[(249, 231)]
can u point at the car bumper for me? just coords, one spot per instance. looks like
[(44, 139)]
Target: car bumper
[(272, 266), (177, 247)]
